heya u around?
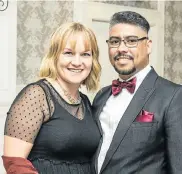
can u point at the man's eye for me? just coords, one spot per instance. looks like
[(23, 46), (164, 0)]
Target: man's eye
[(114, 41), (131, 41)]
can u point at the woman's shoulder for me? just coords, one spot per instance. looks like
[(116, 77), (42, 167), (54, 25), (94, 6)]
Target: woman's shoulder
[(32, 90), (36, 85)]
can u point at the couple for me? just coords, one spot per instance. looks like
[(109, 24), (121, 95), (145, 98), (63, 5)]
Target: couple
[(133, 125)]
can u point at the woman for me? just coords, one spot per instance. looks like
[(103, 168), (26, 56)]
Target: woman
[(49, 128)]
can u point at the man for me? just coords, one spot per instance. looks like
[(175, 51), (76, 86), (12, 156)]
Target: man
[(140, 115)]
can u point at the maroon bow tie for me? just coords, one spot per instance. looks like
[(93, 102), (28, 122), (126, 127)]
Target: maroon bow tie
[(117, 86)]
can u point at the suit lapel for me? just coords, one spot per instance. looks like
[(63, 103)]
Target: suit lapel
[(101, 101), (139, 99), (98, 104)]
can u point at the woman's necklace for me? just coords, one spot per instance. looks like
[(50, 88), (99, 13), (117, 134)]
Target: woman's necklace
[(71, 99)]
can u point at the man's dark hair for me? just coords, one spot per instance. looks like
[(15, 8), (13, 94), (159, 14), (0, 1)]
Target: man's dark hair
[(129, 17)]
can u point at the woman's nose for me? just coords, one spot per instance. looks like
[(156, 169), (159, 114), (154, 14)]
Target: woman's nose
[(76, 60)]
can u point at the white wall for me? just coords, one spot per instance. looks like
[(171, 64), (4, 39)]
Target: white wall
[(8, 41)]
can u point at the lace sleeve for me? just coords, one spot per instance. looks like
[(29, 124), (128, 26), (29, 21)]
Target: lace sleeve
[(27, 113)]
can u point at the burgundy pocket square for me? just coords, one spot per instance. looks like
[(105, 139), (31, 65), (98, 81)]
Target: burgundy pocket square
[(145, 116)]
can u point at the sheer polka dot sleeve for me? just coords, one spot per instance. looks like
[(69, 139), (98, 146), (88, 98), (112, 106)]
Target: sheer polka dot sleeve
[(27, 113)]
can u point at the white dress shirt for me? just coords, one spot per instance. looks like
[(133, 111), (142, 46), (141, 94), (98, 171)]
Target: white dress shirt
[(113, 112)]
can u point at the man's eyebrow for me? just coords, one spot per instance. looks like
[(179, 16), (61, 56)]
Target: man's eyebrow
[(114, 37), (132, 36), (125, 37)]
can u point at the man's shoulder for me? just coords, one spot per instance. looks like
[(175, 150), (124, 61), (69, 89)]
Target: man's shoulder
[(102, 93), (104, 90), (167, 87), (167, 83)]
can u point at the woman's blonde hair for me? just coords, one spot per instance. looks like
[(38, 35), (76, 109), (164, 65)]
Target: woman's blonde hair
[(48, 68)]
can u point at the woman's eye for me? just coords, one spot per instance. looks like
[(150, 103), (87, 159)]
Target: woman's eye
[(68, 53), (86, 54)]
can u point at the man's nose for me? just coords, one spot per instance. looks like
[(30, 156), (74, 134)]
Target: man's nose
[(122, 47)]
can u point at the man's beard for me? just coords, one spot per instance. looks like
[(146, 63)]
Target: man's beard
[(123, 56), (125, 72)]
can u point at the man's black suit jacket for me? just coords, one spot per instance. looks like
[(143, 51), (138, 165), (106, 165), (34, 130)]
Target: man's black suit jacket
[(145, 147)]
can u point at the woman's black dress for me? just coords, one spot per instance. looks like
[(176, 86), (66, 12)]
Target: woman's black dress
[(63, 143)]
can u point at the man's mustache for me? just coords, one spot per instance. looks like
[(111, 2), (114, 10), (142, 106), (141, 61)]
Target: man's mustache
[(122, 56)]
